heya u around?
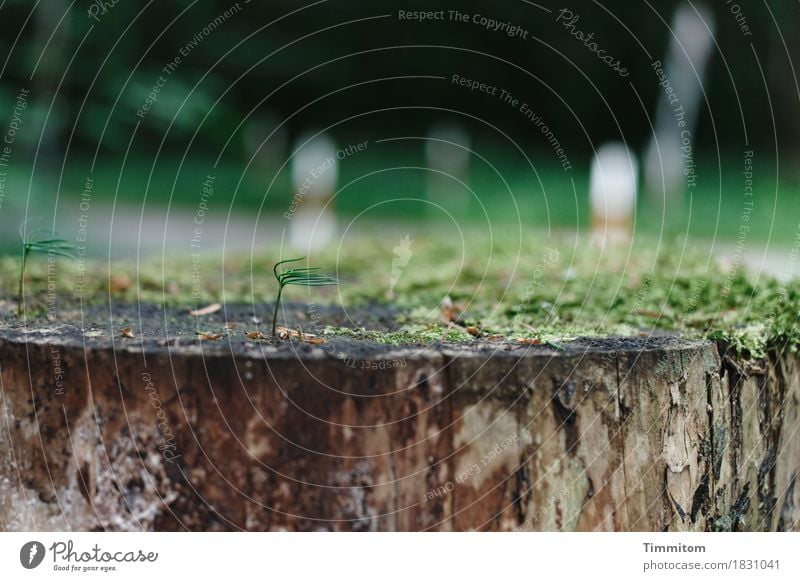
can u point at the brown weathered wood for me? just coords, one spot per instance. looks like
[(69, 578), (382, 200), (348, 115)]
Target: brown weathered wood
[(637, 434)]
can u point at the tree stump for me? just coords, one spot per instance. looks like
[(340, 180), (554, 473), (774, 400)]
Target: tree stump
[(100, 432)]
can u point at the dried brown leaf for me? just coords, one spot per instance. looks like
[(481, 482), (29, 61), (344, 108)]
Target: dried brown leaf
[(213, 308), (256, 336), (119, 283), (449, 311), (285, 333), (210, 336)]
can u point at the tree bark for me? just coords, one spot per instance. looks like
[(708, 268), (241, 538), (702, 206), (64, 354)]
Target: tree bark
[(612, 435)]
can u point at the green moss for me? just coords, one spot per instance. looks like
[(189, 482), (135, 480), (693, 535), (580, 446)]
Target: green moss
[(409, 334), (507, 284)]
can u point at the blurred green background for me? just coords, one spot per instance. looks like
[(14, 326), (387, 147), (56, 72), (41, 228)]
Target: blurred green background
[(356, 71)]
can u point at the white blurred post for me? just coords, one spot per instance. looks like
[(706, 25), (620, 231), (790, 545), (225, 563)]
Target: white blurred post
[(685, 68), (613, 183), (315, 173), (447, 153)]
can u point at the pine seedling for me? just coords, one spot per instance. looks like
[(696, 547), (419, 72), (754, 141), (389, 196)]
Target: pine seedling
[(297, 277), (39, 242)]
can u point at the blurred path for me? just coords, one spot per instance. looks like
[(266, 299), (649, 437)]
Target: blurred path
[(773, 261), (154, 232)]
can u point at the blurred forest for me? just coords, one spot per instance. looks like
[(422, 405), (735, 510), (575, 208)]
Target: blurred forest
[(117, 60), (352, 68)]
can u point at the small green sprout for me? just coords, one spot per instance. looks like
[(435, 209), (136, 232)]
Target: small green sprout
[(42, 242), (298, 277)]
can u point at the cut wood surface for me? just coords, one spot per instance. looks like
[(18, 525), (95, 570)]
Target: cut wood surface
[(103, 432)]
